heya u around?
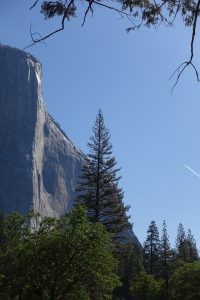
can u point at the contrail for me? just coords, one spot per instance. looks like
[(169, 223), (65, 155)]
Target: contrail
[(195, 173)]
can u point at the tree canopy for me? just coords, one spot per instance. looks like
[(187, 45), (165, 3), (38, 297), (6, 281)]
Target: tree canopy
[(65, 259), (140, 13), (145, 287), (185, 282)]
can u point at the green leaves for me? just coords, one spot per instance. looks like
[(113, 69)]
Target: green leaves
[(65, 259), (185, 282), (145, 287)]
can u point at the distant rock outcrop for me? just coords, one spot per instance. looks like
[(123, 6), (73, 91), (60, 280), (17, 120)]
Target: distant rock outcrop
[(39, 165)]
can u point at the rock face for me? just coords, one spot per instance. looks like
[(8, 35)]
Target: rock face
[(39, 165)]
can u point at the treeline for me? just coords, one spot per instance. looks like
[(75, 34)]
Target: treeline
[(72, 258), (90, 253), (169, 273)]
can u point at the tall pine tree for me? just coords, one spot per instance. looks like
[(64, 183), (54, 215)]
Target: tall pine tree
[(192, 247), (98, 186), (166, 259), (181, 244), (151, 250), (186, 248)]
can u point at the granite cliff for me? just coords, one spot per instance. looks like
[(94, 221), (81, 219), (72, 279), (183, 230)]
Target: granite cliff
[(39, 165)]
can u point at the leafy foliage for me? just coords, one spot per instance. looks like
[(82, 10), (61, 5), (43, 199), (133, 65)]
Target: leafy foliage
[(185, 282), (145, 287), (65, 259)]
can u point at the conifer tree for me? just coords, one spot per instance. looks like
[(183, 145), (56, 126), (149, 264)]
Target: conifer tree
[(165, 259), (151, 250), (192, 248), (98, 186), (181, 244)]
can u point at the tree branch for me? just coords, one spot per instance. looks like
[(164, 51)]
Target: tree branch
[(121, 12), (144, 14), (35, 41), (91, 2), (177, 10), (87, 10), (34, 4), (185, 64)]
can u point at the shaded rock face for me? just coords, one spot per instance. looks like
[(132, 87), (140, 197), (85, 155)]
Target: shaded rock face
[(39, 165)]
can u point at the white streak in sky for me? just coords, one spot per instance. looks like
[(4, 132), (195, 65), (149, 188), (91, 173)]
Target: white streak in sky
[(190, 169)]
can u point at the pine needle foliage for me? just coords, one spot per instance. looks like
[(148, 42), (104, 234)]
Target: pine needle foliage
[(98, 185), (186, 249), (152, 250), (166, 259), (193, 254)]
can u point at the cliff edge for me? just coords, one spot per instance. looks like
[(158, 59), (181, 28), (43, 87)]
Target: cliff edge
[(39, 165)]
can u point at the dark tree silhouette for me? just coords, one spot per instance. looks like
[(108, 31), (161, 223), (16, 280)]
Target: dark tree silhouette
[(98, 185), (151, 250)]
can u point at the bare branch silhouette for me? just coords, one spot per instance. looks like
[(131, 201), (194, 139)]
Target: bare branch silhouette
[(147, 13), (89, 8), (185, 64), (35, 41), (34, 4)]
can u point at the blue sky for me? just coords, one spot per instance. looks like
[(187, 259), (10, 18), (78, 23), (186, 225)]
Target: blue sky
[(153, 132)]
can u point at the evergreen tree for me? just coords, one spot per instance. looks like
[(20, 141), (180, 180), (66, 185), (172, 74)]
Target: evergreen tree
[(98, 186), (165, 259), (181, 244), (151, 250), (191, 247), (130, 264)]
